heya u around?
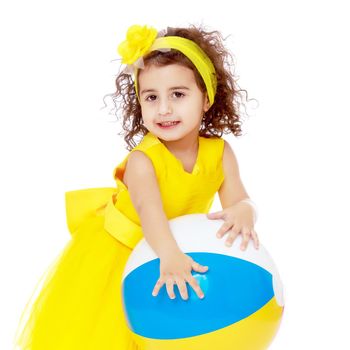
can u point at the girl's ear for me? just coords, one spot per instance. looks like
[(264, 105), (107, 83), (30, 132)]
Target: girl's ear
[(206, 102)]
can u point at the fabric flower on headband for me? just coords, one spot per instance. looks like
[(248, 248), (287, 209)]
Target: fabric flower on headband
[(139, 40)]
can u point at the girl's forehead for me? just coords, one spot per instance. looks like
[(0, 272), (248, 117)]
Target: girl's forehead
[(163, 74)]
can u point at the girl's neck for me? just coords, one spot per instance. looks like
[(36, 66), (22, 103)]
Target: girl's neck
[(186, 146)]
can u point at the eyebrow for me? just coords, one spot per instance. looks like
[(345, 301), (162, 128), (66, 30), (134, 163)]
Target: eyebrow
[(172, 88)]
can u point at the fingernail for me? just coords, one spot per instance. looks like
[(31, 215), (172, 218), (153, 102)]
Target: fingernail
[(201, 296)]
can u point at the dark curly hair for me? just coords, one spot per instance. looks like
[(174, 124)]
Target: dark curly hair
[(222, 117)]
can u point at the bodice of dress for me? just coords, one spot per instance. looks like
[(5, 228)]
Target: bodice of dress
[(181, 192)]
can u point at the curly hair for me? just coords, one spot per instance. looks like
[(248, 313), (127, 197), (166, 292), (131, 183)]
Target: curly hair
[(222, 117)]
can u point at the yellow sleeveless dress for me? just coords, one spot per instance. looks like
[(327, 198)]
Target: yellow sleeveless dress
[(77, 302)]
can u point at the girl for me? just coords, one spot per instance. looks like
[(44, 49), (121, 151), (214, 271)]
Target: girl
[(178, 93)]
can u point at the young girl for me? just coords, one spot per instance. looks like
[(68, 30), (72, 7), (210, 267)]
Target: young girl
[(178, 93)]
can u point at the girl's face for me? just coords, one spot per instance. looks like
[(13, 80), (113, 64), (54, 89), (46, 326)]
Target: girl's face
[(170, 93)]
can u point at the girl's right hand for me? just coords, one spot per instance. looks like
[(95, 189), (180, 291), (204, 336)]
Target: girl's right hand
[(176, 267)]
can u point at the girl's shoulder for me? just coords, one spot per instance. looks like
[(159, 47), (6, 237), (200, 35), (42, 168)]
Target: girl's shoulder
[(146, 145), (210, 154), (148, 141), (213, 146)]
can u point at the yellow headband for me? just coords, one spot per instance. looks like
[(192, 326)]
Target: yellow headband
[(142, 40)]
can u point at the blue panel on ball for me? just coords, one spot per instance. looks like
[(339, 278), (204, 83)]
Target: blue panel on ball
[(233, 288)]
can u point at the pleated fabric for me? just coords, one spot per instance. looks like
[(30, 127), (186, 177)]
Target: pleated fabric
[(79, 301)]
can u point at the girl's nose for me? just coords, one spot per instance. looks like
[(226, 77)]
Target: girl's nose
[(164, 107)]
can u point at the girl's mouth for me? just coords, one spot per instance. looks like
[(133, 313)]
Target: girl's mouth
[(168, 125)]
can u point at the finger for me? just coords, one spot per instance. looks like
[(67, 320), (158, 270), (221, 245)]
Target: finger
[(223, 229), (246, 237), (170, 287), (234, 232), (255, 238), (157, 287), (195, 286), (198, 267), (216, 215), (181, 284)]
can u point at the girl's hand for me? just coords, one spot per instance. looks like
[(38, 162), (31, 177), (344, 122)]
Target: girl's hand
[(238, 218), (176, 267)]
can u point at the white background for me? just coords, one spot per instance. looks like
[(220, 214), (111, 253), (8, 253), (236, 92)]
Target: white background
[(292, 56)]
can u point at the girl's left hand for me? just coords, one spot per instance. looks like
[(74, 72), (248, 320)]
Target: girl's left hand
[(238, 218)]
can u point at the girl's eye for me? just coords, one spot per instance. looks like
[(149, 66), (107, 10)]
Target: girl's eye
[(178, 94), (151, 98)]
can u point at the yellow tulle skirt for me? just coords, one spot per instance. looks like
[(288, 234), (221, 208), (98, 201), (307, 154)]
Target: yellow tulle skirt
[(77, 302)]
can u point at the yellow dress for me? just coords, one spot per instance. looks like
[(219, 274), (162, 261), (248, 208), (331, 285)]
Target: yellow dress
[(77, 302)]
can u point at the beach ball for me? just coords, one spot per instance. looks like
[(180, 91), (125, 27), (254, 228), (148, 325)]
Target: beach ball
[(243, 303)]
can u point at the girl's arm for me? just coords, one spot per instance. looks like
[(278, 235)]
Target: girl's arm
[(232, 189), (238, 212), (175, 266), (144, 192)]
